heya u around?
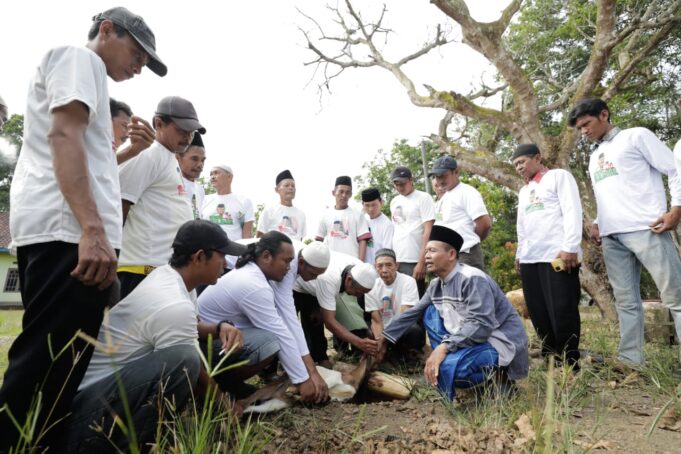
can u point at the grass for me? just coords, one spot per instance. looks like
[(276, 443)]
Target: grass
[(10, 326)]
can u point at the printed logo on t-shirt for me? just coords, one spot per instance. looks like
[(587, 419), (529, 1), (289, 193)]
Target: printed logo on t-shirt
[(398, 215), (180, 187), (288, 225), (370, 242), (340, 229), (535, 202), (388, 307), (605, 169), (220, 216)]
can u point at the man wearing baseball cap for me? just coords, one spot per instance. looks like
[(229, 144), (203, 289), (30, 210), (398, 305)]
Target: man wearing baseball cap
[(462, 209), (155, 204), (147, 345), (65, 217), (413, 213)]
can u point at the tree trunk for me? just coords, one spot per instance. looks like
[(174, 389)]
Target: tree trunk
[(595, 281)]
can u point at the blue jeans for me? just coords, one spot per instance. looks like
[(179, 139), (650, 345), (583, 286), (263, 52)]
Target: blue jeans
[(624, 254)]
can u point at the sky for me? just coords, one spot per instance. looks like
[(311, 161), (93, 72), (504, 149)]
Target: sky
[(242, 66)]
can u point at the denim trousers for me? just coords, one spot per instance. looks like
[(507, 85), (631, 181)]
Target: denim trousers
[(624, 253)]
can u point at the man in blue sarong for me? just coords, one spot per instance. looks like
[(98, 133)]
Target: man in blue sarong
[(475, 333)]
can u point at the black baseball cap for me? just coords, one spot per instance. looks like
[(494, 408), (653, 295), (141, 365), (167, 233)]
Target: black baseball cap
[(400, 174), (139, 30), (182, 112), (202, 234), (442, 165)]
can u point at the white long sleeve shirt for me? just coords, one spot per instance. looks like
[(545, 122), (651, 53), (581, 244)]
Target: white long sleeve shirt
[(245, 297), (549, 217), (626, 173)]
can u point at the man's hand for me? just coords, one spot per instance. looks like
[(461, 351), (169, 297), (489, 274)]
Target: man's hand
[(320, 386), (230, 337), (97, 260), (141, 135), (368, 346), (419, 271), (517, 266), (595, 234), (382, 350), (667, 221), (432, 367), (307, 391), (571, 260)]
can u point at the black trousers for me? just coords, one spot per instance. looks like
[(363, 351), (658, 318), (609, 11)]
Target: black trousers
[(129, 281), (44, 357), (552, 300), (413, 339), (408, 269)]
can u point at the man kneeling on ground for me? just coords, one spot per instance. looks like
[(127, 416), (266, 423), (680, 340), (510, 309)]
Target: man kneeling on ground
[(475, 332), (394, 293), (147, 345)]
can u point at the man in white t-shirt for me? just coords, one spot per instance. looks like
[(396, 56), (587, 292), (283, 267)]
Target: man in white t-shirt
[(154, 201), (381, 228), (191, 165), (148, 345), (283, 217), (549, 236), (331, 302), (462, 209), (632, 225), (392, 294), (413, 215), (343, 228), (233, 212), (65, 218)]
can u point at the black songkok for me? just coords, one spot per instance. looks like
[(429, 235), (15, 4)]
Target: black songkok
[(197, 141), (525, 149), (344, 180), (370, 194), (285, 175), (446, 235)]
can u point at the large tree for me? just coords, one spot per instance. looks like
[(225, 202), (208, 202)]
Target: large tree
[(13, 132), (547, 55)]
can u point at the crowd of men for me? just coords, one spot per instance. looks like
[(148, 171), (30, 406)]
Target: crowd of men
[(108, 217)]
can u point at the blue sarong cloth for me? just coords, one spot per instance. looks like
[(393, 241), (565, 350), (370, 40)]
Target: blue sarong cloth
[(464, 368)]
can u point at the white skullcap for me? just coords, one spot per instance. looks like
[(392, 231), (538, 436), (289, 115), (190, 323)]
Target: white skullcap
[(316, 254), (224, 167), (364, 274)]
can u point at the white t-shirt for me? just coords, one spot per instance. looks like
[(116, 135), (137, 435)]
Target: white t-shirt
[(158, 314), (284, 219), (677, 157), (238, 210), (549, 217), (626, 173), (382, 231), (38, 211), (245, 297), (342, 230), (327, 286), (152, 181), (195, 194), (457, 209), (408, 215), (388, 299)]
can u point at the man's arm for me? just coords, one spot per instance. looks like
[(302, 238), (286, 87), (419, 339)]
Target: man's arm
[(483, 225), (571, 208), (420, 268), (362, 249), (96, 258), (377, 324), (366, 345), (141, 137), (247, 231)]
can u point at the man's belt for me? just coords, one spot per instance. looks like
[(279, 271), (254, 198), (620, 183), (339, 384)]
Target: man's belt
[(136, 269)]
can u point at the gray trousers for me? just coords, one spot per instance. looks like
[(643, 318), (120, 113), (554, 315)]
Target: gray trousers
[(474, 257), (169, 373)]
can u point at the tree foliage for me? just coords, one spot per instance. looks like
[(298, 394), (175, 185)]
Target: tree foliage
[(13, 131), (547, 55)]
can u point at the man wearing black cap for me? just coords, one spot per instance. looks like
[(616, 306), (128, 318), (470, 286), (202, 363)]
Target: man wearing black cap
[(413, 214), (343, 228), (472, 327), (155, 203), (382, 230), (147, 345), (283, 217), (462, 209), (191, 165), (65, 216), (549, 236)]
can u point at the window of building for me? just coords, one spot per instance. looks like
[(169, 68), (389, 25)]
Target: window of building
[(12, 280)]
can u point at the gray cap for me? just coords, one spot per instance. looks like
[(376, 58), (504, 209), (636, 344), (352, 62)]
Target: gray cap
[(139, 30), (182, 112), (442, 165)]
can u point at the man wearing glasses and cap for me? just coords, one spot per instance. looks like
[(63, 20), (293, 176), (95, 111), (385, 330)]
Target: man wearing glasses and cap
[(67, 173), (155, 204)]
